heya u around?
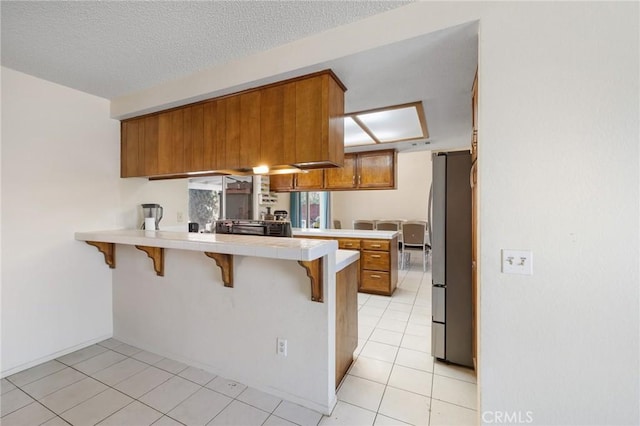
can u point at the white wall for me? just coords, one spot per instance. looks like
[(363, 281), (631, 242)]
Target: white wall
[(60, 166), (171, 194), (558, 175), (408, 201)]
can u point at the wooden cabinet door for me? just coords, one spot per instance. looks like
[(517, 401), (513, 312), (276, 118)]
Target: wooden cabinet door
[(171, 142), (211, 136), (376, 169), (232, 141), (149, 157), (131, 147), (250, 129), (313, 180), (342, 177), (309, 120), (194, 138), (277, 125), (139, 148), (281, 183)]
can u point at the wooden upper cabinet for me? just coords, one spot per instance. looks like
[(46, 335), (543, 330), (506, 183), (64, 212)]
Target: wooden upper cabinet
[(281, 183), (376, 169), (294, 122), (364, 170), (313, 180), (342, 177)]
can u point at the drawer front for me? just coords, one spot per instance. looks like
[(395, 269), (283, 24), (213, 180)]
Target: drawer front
[(382, 245), (375, 281), (375, 260), (348, 244)]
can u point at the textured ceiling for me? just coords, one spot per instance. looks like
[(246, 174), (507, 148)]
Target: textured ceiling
[(114, 48)]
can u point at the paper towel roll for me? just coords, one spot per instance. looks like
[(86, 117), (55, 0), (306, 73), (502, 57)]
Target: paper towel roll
[(149, 224)]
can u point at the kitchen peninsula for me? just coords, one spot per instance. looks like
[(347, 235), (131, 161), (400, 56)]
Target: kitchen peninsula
[(228, 320)]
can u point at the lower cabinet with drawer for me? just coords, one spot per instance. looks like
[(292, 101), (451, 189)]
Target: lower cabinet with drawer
[(378, 262), (379, 266)]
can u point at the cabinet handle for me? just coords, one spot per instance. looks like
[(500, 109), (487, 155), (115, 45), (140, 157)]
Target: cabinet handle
[(375, 245), (348, 245), (353, 180), (359, 180), (376, 276), (375, 256)]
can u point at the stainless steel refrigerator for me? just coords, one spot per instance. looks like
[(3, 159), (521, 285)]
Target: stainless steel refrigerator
[(451, 330)]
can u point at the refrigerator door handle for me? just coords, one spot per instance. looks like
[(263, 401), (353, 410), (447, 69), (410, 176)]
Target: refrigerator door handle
[(438, 298)]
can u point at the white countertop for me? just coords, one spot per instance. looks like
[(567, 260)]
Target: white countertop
[(345, 258), (244, 245), (344, 233)]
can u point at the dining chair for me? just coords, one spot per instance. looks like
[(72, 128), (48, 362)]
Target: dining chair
[(337, 224), (414, 235), (364, 224), (392, 225), (387, 225)]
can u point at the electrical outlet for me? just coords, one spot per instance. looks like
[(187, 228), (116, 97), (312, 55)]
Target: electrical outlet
[(180, 217), (281, 348), (517, 262)]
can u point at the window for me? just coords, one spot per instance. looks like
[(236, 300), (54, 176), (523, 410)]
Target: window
[(313, 209)]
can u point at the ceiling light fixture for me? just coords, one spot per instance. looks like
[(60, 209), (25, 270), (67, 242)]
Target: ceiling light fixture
[(384, 125), (260, 170)]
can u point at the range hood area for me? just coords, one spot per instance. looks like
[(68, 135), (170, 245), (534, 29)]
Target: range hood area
[(286, 127)]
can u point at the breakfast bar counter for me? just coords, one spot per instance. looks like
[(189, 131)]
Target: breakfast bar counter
[(245, 245), (227, 317)]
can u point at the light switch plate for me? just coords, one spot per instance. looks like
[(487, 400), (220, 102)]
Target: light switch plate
[(517, 262)]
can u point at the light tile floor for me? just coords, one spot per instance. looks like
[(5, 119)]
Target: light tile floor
[(393, 381)]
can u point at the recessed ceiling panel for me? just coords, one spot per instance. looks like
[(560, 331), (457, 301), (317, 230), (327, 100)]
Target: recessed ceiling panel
[(354, 135), (393, 124)]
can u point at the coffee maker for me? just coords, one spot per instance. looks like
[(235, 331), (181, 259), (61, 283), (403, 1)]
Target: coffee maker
[(152, 211)]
